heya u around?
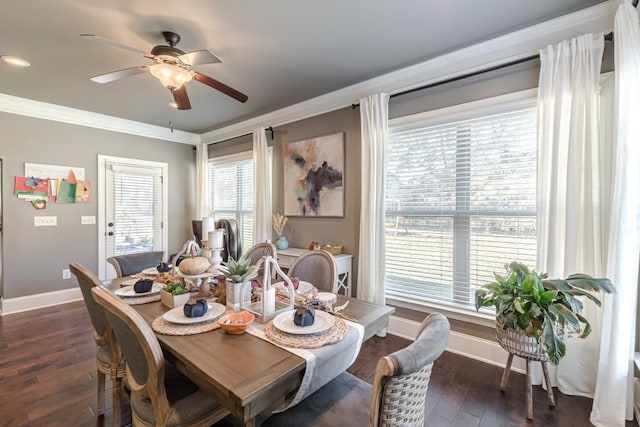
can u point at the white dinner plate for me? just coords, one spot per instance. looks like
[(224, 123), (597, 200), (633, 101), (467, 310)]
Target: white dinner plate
[(128, 291), (284, 322), (151, 271), (304, 288), (176, 315)]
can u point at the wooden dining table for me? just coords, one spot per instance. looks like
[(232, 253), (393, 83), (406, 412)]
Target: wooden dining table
[(249, 376)]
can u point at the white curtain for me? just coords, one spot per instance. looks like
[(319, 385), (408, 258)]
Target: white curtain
[(262, 187), (570, 229), (374, 118), (614, 394), (202, 181)]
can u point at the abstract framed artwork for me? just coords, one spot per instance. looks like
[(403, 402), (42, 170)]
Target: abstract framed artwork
[(314, 177)]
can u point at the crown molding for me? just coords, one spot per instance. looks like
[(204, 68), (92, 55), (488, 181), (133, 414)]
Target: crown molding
[(497, 51), (42, 110)]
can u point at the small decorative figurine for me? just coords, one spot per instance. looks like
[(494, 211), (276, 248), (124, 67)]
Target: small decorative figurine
[(142, 286)]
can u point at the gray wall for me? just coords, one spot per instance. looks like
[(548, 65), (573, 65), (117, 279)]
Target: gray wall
[(301, 231), (33, 258)]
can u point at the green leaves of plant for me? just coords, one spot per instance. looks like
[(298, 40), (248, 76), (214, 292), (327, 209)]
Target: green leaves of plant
[(553, 345), (527, 300)]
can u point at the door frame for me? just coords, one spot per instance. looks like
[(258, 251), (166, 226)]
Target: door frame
[(102, 203)]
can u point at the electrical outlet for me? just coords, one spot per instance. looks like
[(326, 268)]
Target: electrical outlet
[(66, 273), (87, 220), (45, 221)]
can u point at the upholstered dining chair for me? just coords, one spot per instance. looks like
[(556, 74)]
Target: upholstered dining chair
[(257, 251), (109, 360), (156, 399), (397, 397), (317, 267), (126, 265)]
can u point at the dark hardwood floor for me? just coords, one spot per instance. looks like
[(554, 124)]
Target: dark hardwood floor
[(47, 378)]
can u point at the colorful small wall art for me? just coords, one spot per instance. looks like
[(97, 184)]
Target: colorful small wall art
[(60, 184), (314, 177)]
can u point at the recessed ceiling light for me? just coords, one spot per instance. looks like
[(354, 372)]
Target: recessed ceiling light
[(14, 60)]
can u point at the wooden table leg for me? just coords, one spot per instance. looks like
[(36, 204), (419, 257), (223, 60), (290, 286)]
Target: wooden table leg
[(545, 371), (529, 392), (505, 374)]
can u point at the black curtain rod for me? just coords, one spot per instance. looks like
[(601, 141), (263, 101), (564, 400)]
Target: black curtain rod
[(269, 129), (460, 77)]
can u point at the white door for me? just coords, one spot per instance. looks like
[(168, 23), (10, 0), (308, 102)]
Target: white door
[(133, 208)]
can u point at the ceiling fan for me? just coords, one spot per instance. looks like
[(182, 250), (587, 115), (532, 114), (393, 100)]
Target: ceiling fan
[(172, 67)]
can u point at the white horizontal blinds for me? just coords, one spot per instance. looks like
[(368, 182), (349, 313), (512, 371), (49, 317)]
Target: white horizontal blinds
[(460, 203), (231, 193), (136, 208)]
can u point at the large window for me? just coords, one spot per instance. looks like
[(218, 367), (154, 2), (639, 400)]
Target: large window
[(460, 199), (231, 192)]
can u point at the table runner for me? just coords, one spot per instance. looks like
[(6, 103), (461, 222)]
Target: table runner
[(324, 363)]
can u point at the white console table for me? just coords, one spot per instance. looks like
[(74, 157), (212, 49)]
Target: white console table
[(343, 265)]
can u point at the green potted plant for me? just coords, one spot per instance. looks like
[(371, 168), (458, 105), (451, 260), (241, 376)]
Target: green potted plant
[(541, 308), (174, 294), (235, 273)]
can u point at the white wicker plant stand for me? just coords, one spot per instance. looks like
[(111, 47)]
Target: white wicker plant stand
[(517, 343)]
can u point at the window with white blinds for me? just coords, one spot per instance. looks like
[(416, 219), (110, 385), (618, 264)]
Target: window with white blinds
[(135, 208), (231, 192), (460, 199)]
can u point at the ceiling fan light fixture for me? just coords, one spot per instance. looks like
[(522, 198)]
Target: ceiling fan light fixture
[(14, 60), (171, 76)]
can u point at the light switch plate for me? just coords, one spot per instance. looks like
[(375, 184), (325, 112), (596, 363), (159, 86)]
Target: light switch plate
[(87, 219), (45, 221)]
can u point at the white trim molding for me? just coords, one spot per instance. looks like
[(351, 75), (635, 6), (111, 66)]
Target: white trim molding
[(42, 110), (45, 299), (500, 50), (465, 345)]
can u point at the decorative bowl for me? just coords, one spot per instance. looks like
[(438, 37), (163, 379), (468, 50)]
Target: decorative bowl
[(236, 323), (333, 250)]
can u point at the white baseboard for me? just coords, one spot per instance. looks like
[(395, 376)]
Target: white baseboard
[(465, 345), (46, 299)]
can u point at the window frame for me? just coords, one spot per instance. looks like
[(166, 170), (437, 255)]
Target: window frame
[(461, 112), (233, 158)]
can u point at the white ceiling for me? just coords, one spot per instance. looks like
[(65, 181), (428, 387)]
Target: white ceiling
[(278, 52)]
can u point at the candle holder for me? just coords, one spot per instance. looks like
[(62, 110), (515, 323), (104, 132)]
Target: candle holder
[(216, 240), (268, 307)]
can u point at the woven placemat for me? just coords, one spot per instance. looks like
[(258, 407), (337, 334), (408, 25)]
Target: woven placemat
[(332, 335), (161, 326), (141, 300)]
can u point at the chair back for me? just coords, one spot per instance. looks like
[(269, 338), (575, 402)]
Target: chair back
[(317, 267), (196, 227), (141, 349), (87, 280), (257, 251), (402, 378), (126, 265)]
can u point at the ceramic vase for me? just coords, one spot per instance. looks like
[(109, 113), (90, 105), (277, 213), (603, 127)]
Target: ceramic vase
[(282, 243), (233, 295)]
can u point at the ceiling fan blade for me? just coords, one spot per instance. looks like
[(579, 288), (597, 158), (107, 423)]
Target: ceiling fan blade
[(181, 98), (112, 43), (199, 57), (116, 75), (203, 78)]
